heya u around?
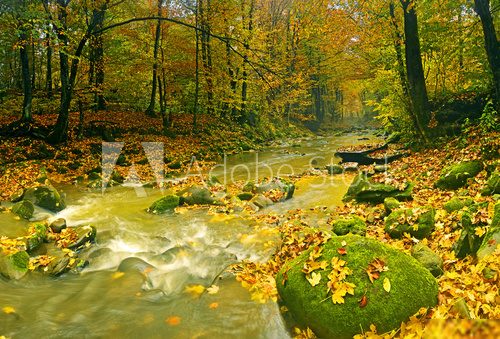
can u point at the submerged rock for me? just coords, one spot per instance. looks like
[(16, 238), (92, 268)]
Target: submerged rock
[(364, 190), (134, 264), (24, 209), (411, 288), (287, 188), (261, 201), (419, 223), (14, 266), (335, 169), (58, 225), (84, 234), (428, 259), (455, 176), (353, 225), (196, 195), (165, 204), (46, 197)]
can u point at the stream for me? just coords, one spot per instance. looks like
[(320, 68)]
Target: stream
[(187, 248)]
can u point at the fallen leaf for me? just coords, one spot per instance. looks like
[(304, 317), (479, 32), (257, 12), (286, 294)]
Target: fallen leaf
[(9, 310), (213, 306), (342, 251), (314, 279), (363, 301), (194, 290), (118, 275), (387, 285), (173, 320), (214, 289)]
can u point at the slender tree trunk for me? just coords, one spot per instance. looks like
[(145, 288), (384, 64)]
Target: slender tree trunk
[(398, 40), (26, 79), (244, 83), (197, 70), (96, 72), (33, 65), (229, 106), (206, 52), (491, 44), (414, 69), (48, 80), (150, 111)]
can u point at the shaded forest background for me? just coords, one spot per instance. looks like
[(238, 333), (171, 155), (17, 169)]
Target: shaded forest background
[(417, 65)]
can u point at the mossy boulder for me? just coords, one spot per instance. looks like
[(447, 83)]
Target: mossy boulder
[(469, 242), (37, 236), (391, 204), (197, 195), (354, 225), (24, 209), (456, 204), (14, 266), (491, 239), (363, 189), (412, 287), (84, 234), (418, 222), (261, 201), (335, 169), (46, 197), (492, 185), (165, 204), (428, 259), (245, 196), (455, 176)]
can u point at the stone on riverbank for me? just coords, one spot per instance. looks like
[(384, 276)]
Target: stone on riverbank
[(491, 239), (46, 197), (428, 259), (14, 266), (364, 190), (418, 222), (411, 288), (492, 185), (455, 176), (24, 209), (196, 195), (165, 204), (353, 225)]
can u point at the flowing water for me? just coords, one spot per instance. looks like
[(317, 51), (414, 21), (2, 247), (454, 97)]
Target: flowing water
[(184, 249)]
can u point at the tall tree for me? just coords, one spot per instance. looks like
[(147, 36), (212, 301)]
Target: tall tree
[(414, 70), (491, 44), (150, 111), (24, 29), (96, 44)]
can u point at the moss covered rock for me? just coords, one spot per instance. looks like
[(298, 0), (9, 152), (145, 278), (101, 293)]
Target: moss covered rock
[(165, 204), (46, 197), (245, 196), (412, 287), (287, 188), (428, 259), (334, 169), (456, 204), (418, 222), (491, 239), (391, 204), (197, 195), (354, 225), (24, 209), (456, 176), (14, 266), (364, 190), (37, 236), (469, 242), (492, 185)]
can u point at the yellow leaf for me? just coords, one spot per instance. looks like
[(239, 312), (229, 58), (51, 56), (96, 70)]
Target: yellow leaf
[(337, 297), (9, 310), (387, 285), (213, 306), (194, 290), (314, 279), (118, 275), (214, 289)]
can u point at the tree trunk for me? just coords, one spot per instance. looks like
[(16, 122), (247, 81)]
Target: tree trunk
[(398, 39), (491, 44), (244, 83), (414, 70), (206, 52), (197, 70), (48, 81), (25, 72), (33, 65), (150, 111), (96, 72)]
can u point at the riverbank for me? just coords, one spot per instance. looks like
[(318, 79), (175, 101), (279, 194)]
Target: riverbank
[(23, 160)]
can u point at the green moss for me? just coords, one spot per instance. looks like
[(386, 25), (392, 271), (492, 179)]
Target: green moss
[(24, 209), (400, 222), (245, 196), (334, 169), (456, 176), (46, 197), (354, 225), (454, 204), (412, 287), (492, 185), (491, 239), (428, 259), (364, 190), (165, 204), (390, 204), (14, 266)]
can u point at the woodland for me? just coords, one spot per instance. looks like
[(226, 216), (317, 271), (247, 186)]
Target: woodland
[(249, 168)]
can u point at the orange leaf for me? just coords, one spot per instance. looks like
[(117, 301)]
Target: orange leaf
[(173, 320)]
